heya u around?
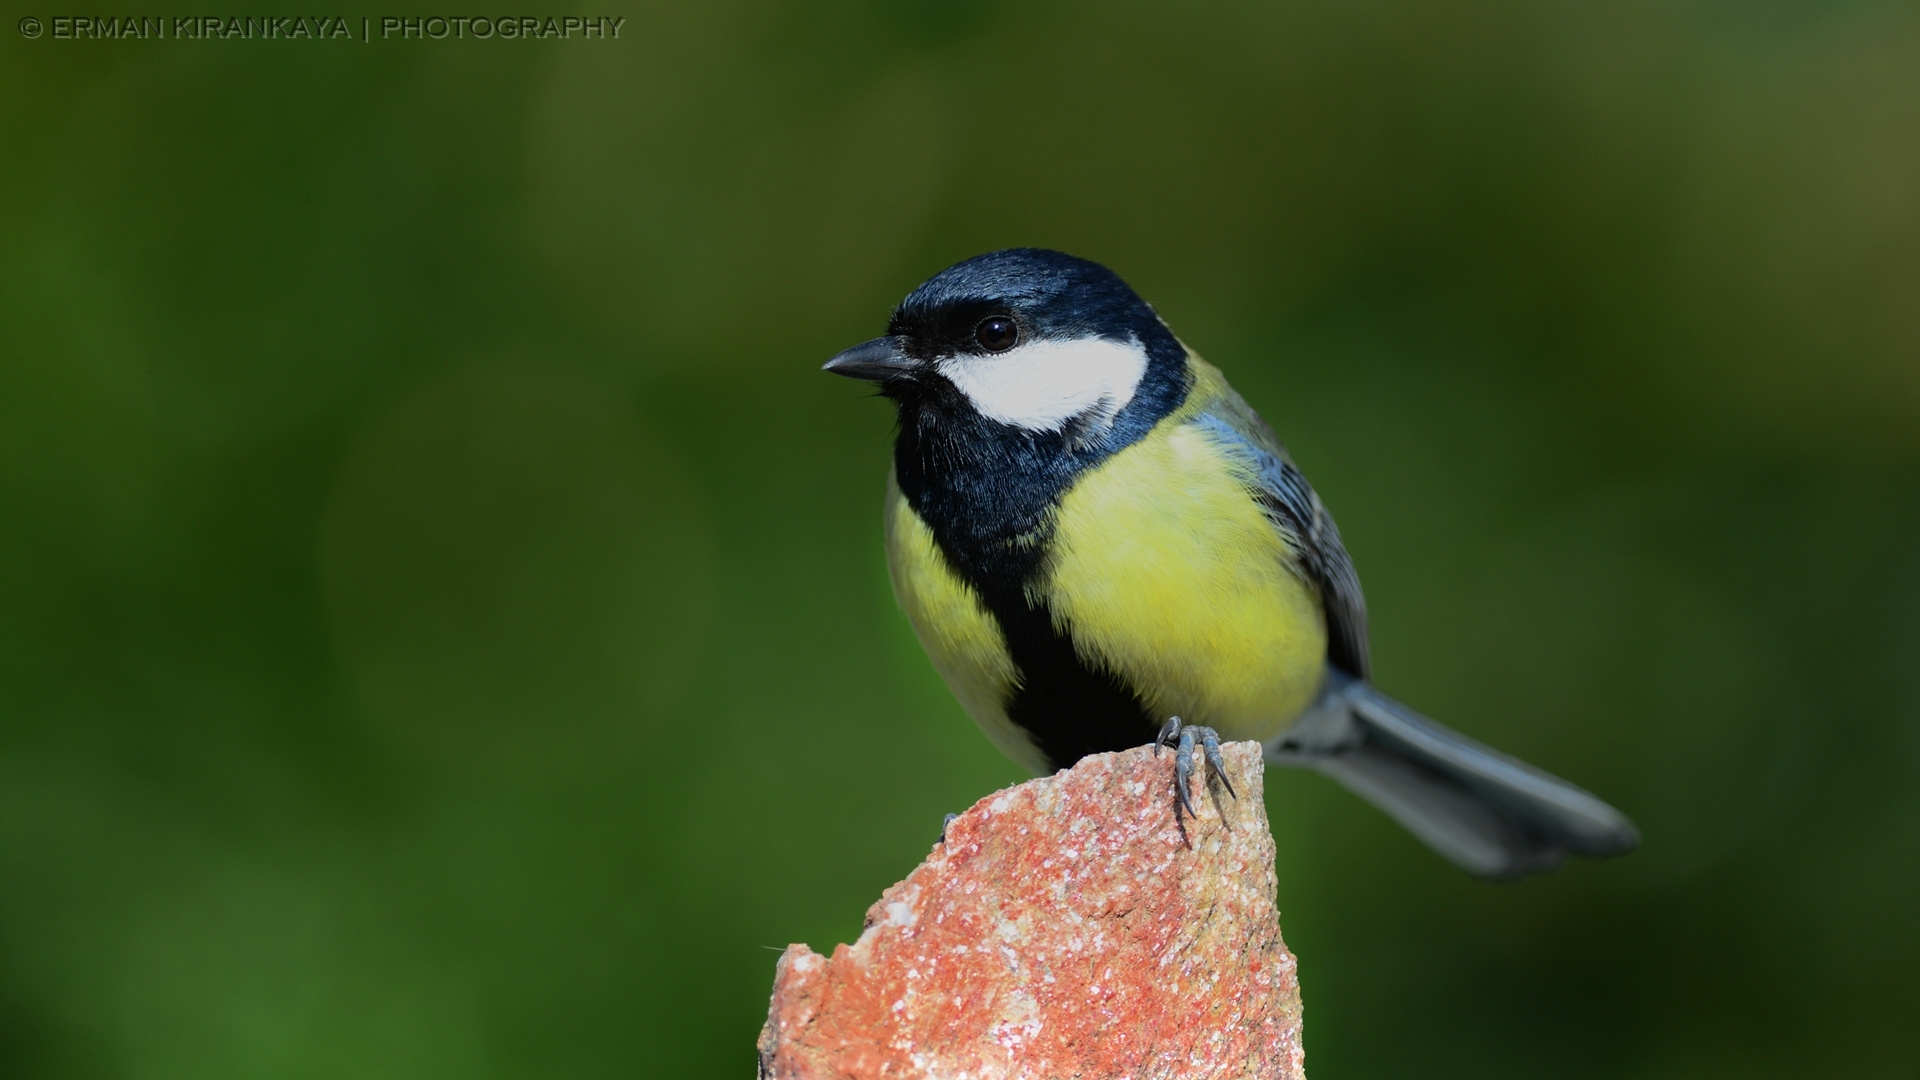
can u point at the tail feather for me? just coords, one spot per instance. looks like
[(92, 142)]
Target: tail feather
[(1492, 815)]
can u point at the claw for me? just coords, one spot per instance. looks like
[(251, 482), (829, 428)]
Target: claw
[(1179, 734), (943, 826), (1167, 731), (1183, 770), (1217, 763)]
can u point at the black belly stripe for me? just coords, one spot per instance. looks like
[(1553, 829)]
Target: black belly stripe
[(1069, 708)]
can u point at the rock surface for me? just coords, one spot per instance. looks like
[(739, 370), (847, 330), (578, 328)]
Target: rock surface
[(1067, 927)]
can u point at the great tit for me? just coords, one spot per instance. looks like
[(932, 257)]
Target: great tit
[(1093, 535)]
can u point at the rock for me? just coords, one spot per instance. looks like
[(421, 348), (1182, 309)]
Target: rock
[(1067, 927)]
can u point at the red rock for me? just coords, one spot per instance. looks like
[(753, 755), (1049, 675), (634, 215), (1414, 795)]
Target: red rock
[(1068, 927)]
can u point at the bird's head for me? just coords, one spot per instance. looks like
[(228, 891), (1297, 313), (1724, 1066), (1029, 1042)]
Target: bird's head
[(1029, 339)]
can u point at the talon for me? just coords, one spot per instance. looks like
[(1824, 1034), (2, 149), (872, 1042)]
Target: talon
[(1167, 731), (1181, 735), (948, 820), (1217, 763), (1183, 770)]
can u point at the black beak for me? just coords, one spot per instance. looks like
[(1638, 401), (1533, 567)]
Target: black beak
[(875, 361)]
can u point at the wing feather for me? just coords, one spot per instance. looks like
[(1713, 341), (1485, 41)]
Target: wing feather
[(1294, 508)]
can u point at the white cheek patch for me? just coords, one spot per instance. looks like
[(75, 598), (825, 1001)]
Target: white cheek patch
[(1042, 385)]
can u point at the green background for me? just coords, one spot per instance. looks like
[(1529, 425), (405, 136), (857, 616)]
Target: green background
[(443, 626)]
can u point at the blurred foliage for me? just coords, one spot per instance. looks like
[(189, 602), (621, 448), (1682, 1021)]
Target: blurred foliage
[(443, 629)]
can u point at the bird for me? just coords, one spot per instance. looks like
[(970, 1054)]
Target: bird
[(1100, 546)]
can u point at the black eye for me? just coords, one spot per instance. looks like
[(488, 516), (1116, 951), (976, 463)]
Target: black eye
[(997, 334)]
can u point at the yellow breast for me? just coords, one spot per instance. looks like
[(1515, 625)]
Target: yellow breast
[(1165, 570)]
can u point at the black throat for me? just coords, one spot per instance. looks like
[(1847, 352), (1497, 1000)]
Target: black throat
[(988, 491)]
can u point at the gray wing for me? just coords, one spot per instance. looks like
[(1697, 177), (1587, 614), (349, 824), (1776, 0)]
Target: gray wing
[(1291, 503)]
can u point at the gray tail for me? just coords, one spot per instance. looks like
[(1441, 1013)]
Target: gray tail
[(1491, 815)]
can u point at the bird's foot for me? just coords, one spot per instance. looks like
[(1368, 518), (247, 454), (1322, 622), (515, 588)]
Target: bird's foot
[(1181, 737)]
